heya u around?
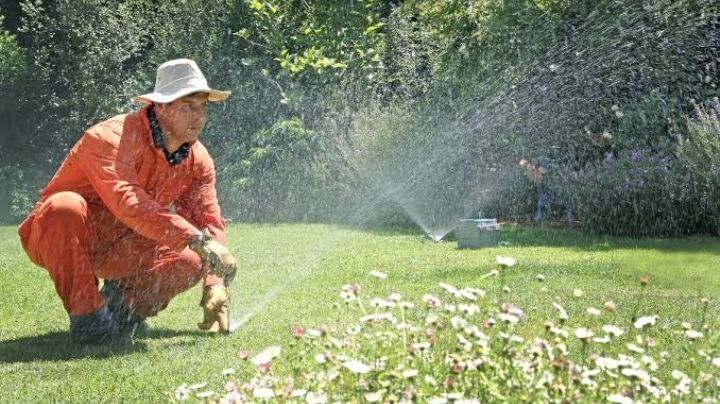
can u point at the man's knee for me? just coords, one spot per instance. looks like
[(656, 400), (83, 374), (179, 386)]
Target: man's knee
[(64, 209), (191, 263), (187, 270), (182, 269)]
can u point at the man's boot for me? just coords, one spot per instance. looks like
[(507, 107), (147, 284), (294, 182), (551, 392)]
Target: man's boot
[(96, 327), (128, 322)]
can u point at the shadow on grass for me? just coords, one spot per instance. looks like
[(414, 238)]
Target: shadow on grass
[(165, 333), (57, 346)]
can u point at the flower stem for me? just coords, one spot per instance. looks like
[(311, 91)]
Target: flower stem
[(501, 285), (362, 308), (637, 303)]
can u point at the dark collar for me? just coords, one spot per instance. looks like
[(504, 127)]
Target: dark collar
[(174, 158)]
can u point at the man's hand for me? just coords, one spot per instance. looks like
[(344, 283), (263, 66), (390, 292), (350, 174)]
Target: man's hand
[(215, 309), (219, 258)]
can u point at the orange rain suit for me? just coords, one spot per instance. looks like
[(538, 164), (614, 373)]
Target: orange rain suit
[(116, 209)]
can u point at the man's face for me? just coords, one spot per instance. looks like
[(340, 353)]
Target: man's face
[(184, 119)]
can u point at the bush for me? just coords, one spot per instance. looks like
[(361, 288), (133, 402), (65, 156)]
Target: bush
[(12, 57), (18, 193), (283, 176), (666, 189), (628, 193), (699, 161)]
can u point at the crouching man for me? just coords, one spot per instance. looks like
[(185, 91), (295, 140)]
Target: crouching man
[(134, 203)]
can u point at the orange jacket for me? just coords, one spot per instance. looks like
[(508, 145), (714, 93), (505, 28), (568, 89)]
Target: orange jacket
[(115, 165)]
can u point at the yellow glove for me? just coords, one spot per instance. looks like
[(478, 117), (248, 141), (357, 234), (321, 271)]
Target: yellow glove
[(215, 309), (219, 258)]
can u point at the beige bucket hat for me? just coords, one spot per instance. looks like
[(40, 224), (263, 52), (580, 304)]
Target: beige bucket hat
[(178, 78)]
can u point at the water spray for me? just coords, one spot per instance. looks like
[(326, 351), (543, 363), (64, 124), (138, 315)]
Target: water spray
[(434, 237), (437, 237), (238, 315)]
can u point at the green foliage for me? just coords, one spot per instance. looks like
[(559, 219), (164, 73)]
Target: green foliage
[(315, 36), (85, 53), (538, 79), (667, 189), (17, 193), (19, 181), (12, 57), (632, 193), (424, 95), (284, 175), (698, 157), (93, 57)]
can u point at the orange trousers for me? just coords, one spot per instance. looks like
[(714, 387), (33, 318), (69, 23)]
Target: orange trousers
[(79, 242)]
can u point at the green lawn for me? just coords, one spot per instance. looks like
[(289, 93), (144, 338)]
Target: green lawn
[(292, 275)]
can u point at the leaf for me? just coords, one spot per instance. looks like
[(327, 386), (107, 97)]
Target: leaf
[(258, 151), (243, 33), (373, 28)]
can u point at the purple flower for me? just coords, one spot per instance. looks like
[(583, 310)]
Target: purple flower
[(698, 111)]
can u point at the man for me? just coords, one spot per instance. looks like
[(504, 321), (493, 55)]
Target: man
[(536, 173), (134, 203)]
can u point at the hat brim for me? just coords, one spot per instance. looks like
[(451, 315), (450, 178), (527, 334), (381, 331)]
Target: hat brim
[(162, 98)]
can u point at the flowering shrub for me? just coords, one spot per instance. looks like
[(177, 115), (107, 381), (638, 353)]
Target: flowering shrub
[(631, 192), (699, 156), (463, 345), (669, 188)]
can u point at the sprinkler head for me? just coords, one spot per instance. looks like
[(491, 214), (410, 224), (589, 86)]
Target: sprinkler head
[(434, 237)]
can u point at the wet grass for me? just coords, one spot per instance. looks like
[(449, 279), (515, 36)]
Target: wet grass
[(292, 275)]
